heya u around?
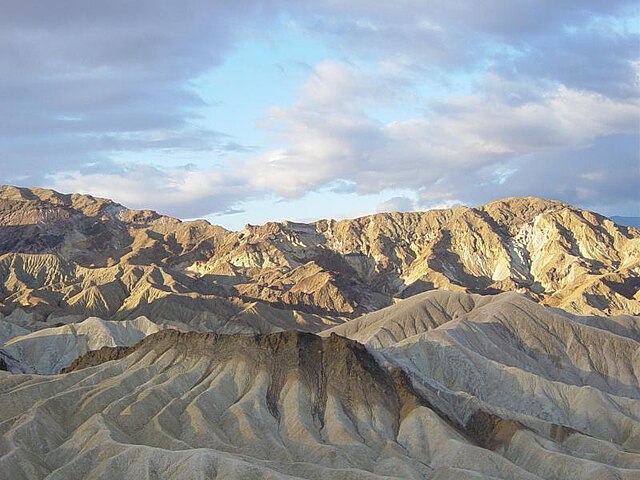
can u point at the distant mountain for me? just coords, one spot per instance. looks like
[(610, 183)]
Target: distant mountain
[(627, 221), (64, 255)]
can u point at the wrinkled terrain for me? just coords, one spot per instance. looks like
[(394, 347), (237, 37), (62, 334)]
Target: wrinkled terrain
[(452, 386), (75, 254), (517, 356), (49, 350), (496, 342)]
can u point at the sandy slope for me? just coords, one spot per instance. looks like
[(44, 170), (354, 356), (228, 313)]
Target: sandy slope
[(49, 350), (286, 405), (517, 359)]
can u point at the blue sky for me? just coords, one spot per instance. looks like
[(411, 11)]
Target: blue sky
[(250, 111)]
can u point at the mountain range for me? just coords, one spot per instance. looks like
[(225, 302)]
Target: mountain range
[(63, 254), (501, 341)]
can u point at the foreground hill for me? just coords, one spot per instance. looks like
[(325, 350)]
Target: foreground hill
[(516, 356), (451, 386), (66, 255)]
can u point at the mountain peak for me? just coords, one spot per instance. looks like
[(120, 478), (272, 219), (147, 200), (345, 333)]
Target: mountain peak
[(551, 251)]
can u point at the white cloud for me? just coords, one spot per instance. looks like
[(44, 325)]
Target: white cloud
[(464, 148), (331, 135), (397, 204), (325, 131), (85, 81), (179, 192), (86, 87)]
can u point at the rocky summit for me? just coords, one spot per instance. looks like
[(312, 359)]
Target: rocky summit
[(67, 254), (495, 342)]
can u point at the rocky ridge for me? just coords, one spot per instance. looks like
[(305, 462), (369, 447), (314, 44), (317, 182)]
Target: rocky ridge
[(75, 254), (283, 405), (557, 254)]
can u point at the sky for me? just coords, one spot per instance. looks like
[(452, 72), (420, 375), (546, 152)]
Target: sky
[(248, 111)]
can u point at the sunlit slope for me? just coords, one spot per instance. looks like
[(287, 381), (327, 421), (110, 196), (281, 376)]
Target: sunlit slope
[(75, 254)]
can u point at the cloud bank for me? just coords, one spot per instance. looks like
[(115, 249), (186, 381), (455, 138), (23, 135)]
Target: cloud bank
[(448, 100)]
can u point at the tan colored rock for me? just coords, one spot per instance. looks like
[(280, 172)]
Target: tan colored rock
[(62, 254), (285, 405)]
